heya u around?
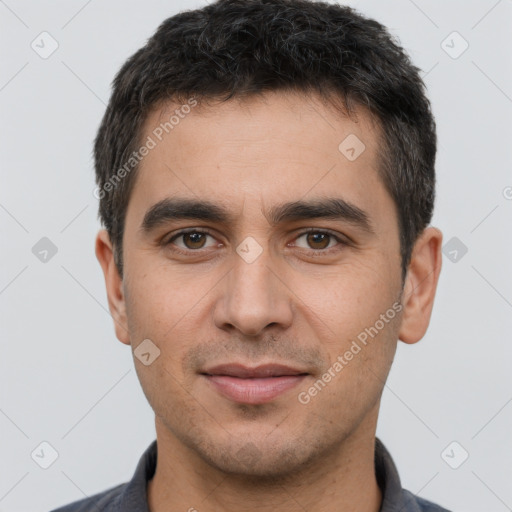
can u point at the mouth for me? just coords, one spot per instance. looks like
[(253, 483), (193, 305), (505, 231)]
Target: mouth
[(258, 385)]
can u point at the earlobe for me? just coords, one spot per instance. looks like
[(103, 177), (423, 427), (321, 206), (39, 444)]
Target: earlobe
[(114, 285), (420, 285)]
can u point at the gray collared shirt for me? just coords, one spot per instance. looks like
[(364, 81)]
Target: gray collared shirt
[(131, 496)]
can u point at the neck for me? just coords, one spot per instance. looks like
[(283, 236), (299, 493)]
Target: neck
[(341, 480)]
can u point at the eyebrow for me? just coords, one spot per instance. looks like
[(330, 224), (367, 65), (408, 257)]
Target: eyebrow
[(171, 209)]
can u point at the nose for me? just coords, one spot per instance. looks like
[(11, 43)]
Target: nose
[(254, 297)]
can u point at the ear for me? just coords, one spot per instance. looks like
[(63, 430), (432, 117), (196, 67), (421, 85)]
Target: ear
[(114, 285), (420, 285)]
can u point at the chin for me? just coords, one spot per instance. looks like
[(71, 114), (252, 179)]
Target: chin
[(258, 460)]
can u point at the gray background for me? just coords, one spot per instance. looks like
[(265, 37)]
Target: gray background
[(67, 380)]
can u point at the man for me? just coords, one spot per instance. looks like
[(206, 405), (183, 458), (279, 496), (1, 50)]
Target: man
[(265, 172)]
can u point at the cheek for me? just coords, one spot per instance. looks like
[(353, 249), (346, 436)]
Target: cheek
[(347, 300), (158, 299), (172, 311), (352, 313), (358, 370)]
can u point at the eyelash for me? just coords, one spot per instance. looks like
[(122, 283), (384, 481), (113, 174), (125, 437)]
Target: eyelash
[(204, 231)]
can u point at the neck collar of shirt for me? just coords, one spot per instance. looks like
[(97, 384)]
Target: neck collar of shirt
[(394, 498)]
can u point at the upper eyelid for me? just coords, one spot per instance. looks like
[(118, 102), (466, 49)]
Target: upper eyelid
[(184, 231), (325, 231), (181, 232)]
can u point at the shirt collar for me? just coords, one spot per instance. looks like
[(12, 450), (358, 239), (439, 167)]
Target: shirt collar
[(134, 498), (394, 498)]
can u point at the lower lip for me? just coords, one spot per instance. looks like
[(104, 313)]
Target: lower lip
[(253, 391)]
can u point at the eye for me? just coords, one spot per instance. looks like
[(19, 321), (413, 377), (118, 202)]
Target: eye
[(191, 240), (194, 240), (318, 240)]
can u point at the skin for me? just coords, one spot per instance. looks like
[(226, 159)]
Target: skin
[(299, 303)]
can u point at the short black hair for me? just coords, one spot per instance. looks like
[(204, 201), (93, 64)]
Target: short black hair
[(242, 48)]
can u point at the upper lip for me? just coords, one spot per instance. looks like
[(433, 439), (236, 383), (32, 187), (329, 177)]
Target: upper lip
[(246, 372)]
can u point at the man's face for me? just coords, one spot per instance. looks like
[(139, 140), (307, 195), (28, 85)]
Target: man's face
[(255, 289)]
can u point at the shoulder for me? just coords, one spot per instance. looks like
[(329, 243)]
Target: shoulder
[(104, 501), (421, 505)]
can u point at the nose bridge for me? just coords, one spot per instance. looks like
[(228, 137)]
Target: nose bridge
[(253, 296)]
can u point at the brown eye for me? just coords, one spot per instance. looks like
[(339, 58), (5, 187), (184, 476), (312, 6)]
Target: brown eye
[(192, 240), (315, 240), (318, 240)]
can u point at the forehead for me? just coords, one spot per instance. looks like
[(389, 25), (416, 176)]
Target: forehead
[(267, 148), (306, 121)]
